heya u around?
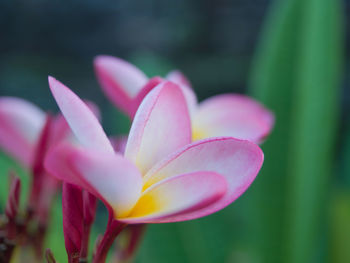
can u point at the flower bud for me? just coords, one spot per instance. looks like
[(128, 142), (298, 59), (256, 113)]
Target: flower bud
[(89, 204), (73, 217), (89, 210)]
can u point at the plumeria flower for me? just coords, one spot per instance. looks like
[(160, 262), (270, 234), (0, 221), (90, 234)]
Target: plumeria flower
[(162, 177), (25, 134), (21, 125), (22, 128), (223, 115)]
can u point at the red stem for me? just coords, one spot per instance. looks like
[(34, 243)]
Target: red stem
[(114, 227)]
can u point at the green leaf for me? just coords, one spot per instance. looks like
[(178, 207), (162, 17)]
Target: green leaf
[(297, 74), (315, 119), (272, 83)]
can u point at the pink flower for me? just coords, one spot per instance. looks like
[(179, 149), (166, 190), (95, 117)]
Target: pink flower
[(22, 126), (224, 115), (26, 133), (162, 177)]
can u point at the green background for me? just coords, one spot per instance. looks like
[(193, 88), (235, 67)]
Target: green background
[(290, 54)]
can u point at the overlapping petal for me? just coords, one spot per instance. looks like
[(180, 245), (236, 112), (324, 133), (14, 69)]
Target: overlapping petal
[(21, 124), (161, 126), (120, 80), (188, 93), (178, 77), (193, 181), (177, 195), (237, 160), (126, 85), (81, 119), (111, 177), (151, 84), (225, 115), (232, 115)]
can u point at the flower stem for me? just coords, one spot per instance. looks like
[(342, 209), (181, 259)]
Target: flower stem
[(114, 227)]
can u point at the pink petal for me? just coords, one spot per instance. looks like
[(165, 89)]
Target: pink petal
[(94, 109), (110, 177), (161, 126), (151, 84), (232, 115), (238, 161), (180, 79), (120, 80), (191, 99), (177, 196), (80, 118), (21, 124)]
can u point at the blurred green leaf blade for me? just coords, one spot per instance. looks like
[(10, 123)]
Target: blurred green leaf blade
[(297, 75)]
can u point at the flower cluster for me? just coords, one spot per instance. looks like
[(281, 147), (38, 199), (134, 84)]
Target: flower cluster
[(181, 160)]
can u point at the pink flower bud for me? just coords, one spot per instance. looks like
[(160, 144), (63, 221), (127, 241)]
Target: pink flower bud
[(73, 216), (89, 210), (89, 204)]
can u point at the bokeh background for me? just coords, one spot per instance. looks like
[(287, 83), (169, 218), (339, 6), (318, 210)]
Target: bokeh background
[(292, 55)]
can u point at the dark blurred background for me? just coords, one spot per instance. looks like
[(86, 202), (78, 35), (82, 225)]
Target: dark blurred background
[(217, 44), (211, 42)]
